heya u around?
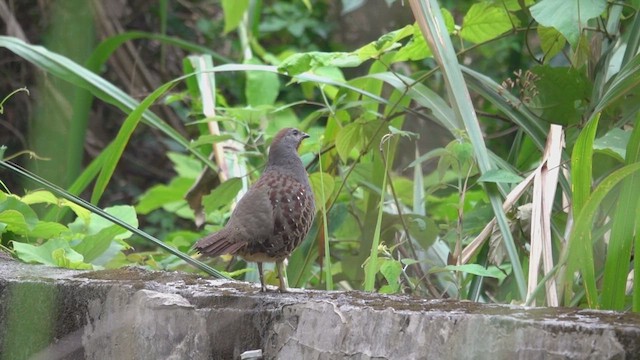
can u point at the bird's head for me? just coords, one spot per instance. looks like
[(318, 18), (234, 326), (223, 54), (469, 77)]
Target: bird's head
[(289, 138), (284, 148)]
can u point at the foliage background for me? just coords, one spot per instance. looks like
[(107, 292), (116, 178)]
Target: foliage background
[(518, 190)]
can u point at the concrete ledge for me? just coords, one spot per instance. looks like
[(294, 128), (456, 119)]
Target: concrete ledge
[(50, 313)]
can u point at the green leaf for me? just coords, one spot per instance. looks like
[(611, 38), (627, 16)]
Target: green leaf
[(569, 17), (92, 246), (233, 12), (160, 195), (416, 49), (210, 139), (69, 259), (317, 183), (125, 213), (47, 230), (499, 273), (262, 87), (485, 21), (46, 197), (613, 143), (347, 139), (391, 270), (500, 176), (10, 208), (54, 252), (551, 42), (184, 165), (386, 42), (561, 93), (14, 221), (302, 62), (222, 195)]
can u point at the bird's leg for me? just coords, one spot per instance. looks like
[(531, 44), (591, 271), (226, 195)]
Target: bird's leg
[(283, 280), (263, 287)]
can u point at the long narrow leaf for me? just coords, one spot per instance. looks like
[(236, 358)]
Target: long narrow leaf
[(581, 246), (616, 266), (429, 18), (118, 145)]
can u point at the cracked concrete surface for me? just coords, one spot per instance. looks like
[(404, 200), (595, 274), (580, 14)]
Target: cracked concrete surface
[(50, 313)]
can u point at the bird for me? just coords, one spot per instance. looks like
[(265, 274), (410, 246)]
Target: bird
[(275, 214)]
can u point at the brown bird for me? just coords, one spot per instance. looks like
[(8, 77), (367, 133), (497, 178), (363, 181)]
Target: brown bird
[(274, 216)]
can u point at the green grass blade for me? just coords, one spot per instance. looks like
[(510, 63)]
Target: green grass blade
[(581, 165), (432, 25), (616, 266), (580, 243), (581, 177), (104, 50), (372, 263), (74, 73), (118, 145), (328, 274)]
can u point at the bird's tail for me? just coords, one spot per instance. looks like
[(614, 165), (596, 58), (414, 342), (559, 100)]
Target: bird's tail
[(218, 243)]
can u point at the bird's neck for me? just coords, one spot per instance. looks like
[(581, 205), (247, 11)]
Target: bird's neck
[(287, 163)]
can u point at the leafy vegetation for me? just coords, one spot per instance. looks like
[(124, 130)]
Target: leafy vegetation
[(527, 196)]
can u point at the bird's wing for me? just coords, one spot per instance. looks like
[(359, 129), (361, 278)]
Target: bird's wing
[(252, 219)]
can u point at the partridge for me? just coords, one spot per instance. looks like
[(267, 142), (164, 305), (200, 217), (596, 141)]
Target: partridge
[(274, 216)]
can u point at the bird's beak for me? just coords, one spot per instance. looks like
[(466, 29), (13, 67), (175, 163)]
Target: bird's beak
[(305, 135)]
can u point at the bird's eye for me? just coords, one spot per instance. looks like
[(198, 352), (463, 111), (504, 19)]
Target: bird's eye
[(296, 132)]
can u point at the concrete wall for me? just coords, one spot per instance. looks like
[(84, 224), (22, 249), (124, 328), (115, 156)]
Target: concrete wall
[(49, 313)]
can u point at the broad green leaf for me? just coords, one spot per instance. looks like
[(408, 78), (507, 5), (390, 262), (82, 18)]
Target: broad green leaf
[(160, 195), (47, 230), (222, 195), (233, 12), (485, 21), (386, 42), (46, 197), (416, 49), (262, 88), (500, 176), (317, 186), (54, 252), (14, 220), (9, 207), (92, 246), (303, 62), (184, 165), (125, 213), (347, 139), (68, 258), (561, 93), (551, 42), (391, 270), (39, 197), (613, 143), (567, 16)]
